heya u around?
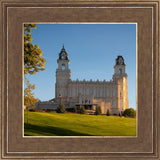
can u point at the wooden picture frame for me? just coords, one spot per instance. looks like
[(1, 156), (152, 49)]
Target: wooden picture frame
[(14, 13)]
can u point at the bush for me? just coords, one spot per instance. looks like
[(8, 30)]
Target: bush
[(75, 109), (69, 109), (82, 110), (47, 110), (98, 110), (78, 107), (108, 113), (61, 109), (130, 112), (32, 110), (120, 115)]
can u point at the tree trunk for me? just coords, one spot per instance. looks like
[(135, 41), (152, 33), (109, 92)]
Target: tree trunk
[(27, 116)]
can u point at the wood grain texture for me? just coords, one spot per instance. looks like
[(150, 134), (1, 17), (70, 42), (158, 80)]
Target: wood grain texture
[(146, 14)]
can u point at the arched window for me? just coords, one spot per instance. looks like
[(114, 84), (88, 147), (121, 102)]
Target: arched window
[(107, 92), (94, 92), (113, 92), (113, 103), (73, 92), (66, 81), (100, 92), (120, 70), (120, 94), (63, 67), (87, 91), (80, 91), (65, 93), (60, 92), (60, 82)]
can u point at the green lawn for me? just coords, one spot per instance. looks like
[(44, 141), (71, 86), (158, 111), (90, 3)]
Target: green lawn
[(70, 124)]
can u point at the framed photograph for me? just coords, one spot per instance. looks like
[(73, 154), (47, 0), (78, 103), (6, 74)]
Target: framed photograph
[(86, 83), (98, 97)]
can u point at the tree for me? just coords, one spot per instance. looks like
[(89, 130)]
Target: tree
[(61, 108), (29, 99), (75, 109), (33, 60), (108, 113), (82, 110), (98, 110), (130, 112)]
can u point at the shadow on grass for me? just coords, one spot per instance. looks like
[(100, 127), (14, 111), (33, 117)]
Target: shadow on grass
[(50, 131)]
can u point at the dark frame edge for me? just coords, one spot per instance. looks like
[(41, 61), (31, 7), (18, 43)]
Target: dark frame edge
[(2, 88)]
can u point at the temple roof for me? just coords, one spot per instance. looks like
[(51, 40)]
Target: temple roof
[(120, 60), (63, 54)]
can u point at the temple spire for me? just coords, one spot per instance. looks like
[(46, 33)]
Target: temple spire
[(63, 46)]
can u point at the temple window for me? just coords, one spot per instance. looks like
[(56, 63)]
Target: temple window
[(94, 92), (113, 103), (63, 67), (120, 94), (107, 92), (65, 93), (60, 82), (80, 91), (100, 93), (66, 81), (120, 70), (73, 92), (113, 92), (60, 92), (87, 92)]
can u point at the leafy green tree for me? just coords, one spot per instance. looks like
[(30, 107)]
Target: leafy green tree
[(130, 112), (120, 115), (75, 109), (98, 110), (61, 108), (29, 99), (108, 113), (33, 60), (82, 110)]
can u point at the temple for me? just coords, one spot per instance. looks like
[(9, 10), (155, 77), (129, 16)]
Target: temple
[(112, 95)]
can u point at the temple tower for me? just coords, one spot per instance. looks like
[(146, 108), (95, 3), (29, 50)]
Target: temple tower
[(120, 78), (63, 74)]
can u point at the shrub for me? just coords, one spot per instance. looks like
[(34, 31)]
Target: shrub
[(61, 108), (108, 113), (32, 110), (69, 109), (98, 110), (82, 110), (130, 112), (78, 107), (120, 115), (75, 109), (47, 110)]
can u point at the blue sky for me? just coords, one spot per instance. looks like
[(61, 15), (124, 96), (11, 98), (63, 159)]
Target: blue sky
[(92, 50)]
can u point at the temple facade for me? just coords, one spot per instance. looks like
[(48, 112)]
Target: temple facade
[(112, 95)]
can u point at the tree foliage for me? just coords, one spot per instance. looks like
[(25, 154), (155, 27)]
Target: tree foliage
[(82, 110), (61, 108), (98, 110), (75, 109), (130, 112), (33, 60), (29, 99), (108, 113)]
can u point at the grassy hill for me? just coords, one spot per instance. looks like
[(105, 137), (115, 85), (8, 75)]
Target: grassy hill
[(71, 124)]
